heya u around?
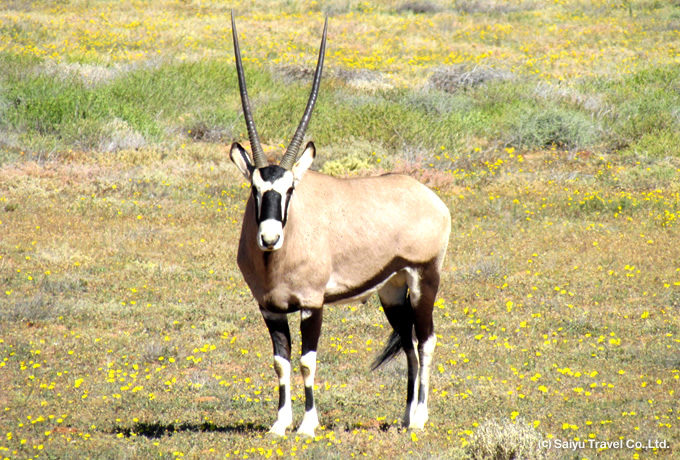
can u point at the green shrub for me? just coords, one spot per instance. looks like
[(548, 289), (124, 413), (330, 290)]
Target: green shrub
[(645, 119), (545, 127), (346, 165)]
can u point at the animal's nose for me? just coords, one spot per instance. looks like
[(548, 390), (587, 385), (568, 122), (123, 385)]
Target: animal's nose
[(269, 243)]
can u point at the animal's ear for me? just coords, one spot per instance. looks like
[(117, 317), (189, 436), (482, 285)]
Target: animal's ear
[(242, 160), (304, 162)]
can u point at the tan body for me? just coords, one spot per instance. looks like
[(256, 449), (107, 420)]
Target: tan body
[(344, 238), (310, 239)]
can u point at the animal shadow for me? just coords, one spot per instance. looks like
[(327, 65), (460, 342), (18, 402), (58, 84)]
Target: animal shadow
[(154, 430)]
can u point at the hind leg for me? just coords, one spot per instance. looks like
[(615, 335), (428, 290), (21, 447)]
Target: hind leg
[(423, 286), (395, 301)]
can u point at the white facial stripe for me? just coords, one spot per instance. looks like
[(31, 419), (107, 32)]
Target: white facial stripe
[(280, 185), (258, 183)]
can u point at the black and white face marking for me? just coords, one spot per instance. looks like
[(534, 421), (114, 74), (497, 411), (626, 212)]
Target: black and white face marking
[(272, 190)]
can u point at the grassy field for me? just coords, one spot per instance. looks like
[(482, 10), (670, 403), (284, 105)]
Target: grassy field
[(550, 129)]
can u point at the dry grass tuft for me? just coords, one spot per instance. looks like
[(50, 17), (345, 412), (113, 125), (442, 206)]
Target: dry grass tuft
[(119, 135), (505, 440), (493, 6), (334, 7), (34, 309), (420, 169), (483, 269), (90, 75), (290, 73), (363, 79), (208, 129), (556, 94), (419, 8), (453, 78)]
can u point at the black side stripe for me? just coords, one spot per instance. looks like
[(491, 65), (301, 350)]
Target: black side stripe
[(256, 202), (394, 266), (289, 195)]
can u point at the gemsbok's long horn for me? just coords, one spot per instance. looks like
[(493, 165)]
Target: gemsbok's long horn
[(291, 154), (258, 154)]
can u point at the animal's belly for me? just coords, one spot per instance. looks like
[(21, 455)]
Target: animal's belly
[(344, 290), (289, 299)]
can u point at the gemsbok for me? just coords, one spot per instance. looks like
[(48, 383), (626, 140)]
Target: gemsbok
[(309, 239)]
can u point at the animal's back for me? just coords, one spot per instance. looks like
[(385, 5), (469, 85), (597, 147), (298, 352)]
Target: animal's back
[(373, 226), (390, 214)]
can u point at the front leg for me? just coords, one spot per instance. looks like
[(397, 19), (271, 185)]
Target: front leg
[(277, 323), (310, 327)]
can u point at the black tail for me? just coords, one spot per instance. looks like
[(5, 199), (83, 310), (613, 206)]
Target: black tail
[(401, 319), (392, 349)]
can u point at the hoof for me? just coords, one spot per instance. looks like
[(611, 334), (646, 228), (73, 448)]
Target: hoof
[(278, 429), (309, 424), (306, 431), (419, 419), (417, 426)]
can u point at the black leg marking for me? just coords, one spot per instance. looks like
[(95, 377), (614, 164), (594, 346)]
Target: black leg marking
[(309, 398), (277, 323), (282, 396), (310, 327)]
